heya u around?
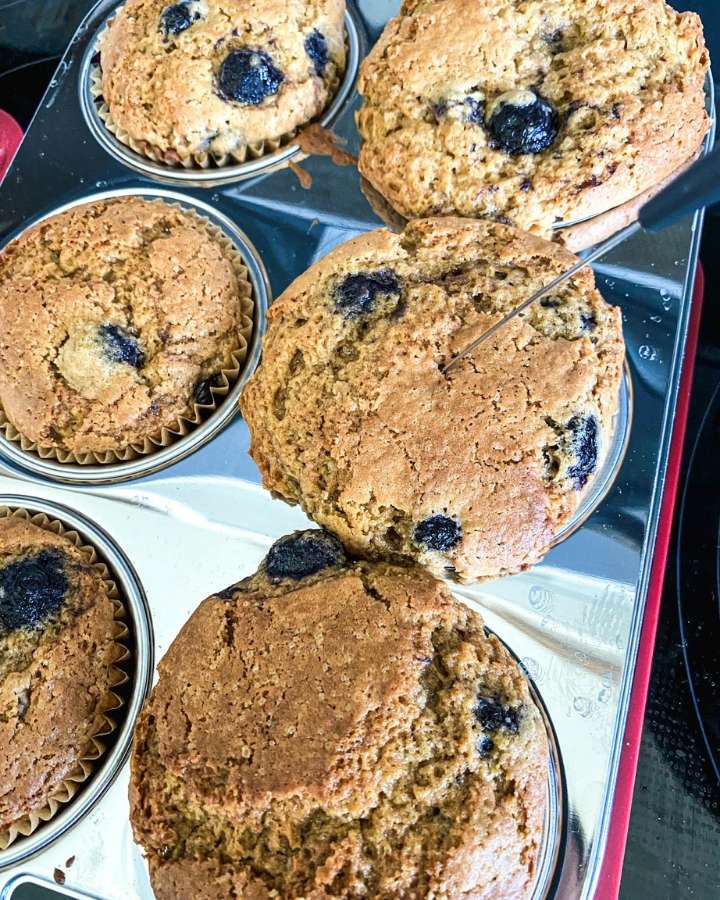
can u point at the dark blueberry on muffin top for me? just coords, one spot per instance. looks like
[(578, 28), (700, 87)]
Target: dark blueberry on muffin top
[(121, 346), (177, 18), (32, 589), (317, 49), (584, 440), (523, 122), (356, 295), (248, 77), (493, 716), (439, 533), (303, 553)]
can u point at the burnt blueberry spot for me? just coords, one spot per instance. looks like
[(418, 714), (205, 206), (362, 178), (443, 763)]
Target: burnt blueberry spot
[(227, 593), (438, 533), (550, 303), (485, 746), (356, 295), (177, 18), (303, 553), (32, 589), (202, 393), (248, 76), (519, 127), (584, 442), (317, 49), (493, 716), (121, 346)]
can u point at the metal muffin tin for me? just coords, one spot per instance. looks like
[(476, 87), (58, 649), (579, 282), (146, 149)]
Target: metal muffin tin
[(213, 175), (204, 521)]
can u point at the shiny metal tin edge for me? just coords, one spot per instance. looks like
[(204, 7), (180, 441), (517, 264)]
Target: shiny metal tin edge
[(73, 473), (213, 176), (598, 851), (143, 653), (612, 461)]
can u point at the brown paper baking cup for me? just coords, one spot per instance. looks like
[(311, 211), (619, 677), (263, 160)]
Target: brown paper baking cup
[(196, 413), (109, 705), (179, 159)]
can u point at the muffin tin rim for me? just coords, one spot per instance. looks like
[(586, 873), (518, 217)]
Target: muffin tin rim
[(215, 177), (148, 464), (143, 654)]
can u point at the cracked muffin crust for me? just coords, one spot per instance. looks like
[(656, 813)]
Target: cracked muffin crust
[(534, 111), (335, 728), (213, 76), (472, 473), (57, 648), (116, 316)]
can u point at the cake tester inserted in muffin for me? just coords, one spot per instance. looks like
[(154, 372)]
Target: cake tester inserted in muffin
[(696, 188)]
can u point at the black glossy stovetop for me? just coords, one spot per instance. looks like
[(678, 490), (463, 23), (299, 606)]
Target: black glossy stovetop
[(673, 848)]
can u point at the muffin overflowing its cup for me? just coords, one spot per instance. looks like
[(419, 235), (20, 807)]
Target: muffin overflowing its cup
[(62, 654), (471, 473), (203, 83), (331, 727), (124, 323), (531, 112)]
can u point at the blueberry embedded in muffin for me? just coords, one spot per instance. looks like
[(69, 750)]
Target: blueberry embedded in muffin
[(248, 76), (523, 122), (303, 553), (32, 589), (200, 78), (346, 694), (357, 294)]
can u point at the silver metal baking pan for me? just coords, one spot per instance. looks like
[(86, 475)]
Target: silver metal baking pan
[(203, 521)]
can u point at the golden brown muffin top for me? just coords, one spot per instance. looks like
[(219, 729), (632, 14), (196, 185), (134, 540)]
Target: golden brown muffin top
[(534, 111), (113, 314), (337, 728), (211, 76), (472, 473)]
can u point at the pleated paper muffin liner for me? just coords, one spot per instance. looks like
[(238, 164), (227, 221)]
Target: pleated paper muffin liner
[(109, 706), (195, 413), (185, 159)]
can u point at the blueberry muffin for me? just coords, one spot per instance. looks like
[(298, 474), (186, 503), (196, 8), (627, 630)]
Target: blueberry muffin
[(530, 111), (57, 650), (213, 77), (334, 728), (117, 317), (471, 473)]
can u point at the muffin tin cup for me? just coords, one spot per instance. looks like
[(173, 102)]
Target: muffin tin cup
[(198, 424), (130, 680), (204, 170)]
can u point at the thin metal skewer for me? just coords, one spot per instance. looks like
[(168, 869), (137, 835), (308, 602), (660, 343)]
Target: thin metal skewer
[(599, 251)]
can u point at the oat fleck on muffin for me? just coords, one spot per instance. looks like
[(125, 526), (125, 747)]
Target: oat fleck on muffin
[(116, 317), (529, 110), (472, 473), (333, 728), (212, 76), (57, 648)]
